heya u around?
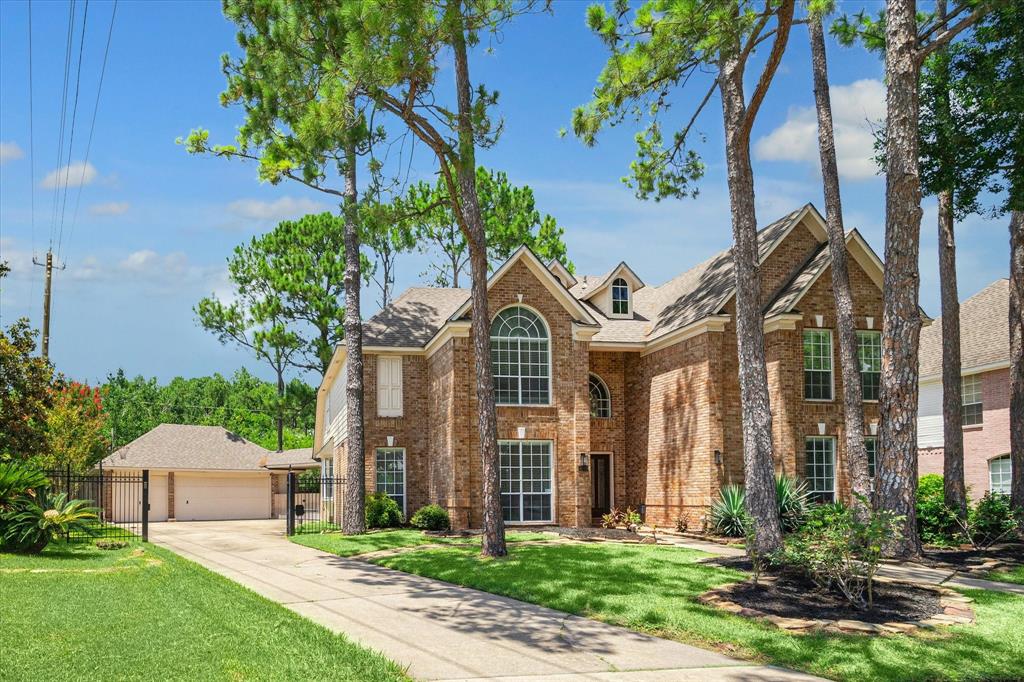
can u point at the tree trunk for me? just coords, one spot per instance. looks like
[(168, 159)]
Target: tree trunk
[(758, 459), (1017, 358), (280, 409), (896, 478), (354, 516), (953, 485), (493, 523), (849, 363)]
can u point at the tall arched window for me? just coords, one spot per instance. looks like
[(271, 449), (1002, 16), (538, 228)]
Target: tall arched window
[(600, 398), (520, 358), (620, 297)]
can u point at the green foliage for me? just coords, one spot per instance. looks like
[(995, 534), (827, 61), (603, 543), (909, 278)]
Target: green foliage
[(728, 513), (838, 551), (76, 428), (30, 523), (431, 517), (308, 481), (993, 519), (243, 404), (382, 511), (17, 479), (793, 499), (25, 393), (936, 523), (510, 217)]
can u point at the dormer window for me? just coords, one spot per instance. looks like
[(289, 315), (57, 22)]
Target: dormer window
[(620, 297)]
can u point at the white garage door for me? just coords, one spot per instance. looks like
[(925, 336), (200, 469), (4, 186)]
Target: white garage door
[(212, 497), (126, 497)]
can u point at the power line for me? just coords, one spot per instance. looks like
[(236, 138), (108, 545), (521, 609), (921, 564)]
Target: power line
[(92, 125), (31, 134), (74, 118), (63, 121)]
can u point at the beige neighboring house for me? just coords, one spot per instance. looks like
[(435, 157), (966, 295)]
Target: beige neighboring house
[(985, 369), (205, 473)]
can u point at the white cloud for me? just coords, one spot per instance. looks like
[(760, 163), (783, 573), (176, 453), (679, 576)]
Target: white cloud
[(10, 151), (273, 211), (74, 174), (110, 208), (855, 109)]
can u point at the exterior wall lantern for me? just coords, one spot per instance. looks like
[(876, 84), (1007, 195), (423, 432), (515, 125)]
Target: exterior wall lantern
[(584, 462), (718, 456), (391, 441)]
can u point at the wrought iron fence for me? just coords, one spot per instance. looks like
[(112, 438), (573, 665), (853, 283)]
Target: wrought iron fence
[(314, 503), (121, 500)]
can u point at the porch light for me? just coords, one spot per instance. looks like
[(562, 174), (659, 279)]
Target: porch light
[(718, 456), (584, 462)]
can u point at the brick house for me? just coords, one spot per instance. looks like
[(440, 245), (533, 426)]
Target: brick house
[(985, 366), (611, 392)]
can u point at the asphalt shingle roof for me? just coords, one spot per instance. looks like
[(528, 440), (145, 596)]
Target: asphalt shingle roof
[(297, 458), (984, 331), (179, 446), (413, 318)]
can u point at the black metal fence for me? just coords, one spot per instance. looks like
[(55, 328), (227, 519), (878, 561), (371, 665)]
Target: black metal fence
[(314, 503), (122, 501)]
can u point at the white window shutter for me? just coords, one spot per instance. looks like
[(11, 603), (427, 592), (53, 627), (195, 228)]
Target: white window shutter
[(389, 386)]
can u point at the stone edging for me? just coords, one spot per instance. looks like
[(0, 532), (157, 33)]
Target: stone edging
[(956, 609)]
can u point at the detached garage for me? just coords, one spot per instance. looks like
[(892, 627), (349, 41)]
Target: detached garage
[(198, 473)]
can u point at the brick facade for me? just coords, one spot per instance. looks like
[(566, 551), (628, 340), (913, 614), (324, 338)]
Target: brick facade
[(675, 431)]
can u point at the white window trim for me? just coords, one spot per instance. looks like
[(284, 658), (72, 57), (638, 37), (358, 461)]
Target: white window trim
[(554, 483), (611, 299), (835, 465), (390, 411), (405, 475), (1000, 458), (979, 381), (607, 390), (872, 331), (551, 371), (832, 364)]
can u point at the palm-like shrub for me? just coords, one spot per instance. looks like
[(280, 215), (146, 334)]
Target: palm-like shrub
[(17, 479), (793, 499), (728, 514), (31, 523)]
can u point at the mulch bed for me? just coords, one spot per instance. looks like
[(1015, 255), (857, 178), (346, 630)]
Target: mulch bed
[(796, 597), (1004, 555), (619, 534)]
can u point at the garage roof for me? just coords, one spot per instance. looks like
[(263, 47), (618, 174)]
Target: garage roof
[(298, 458), (180, 446)]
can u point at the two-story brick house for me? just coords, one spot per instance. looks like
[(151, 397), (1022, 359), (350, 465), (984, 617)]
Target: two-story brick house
[(985, 392), (610, 391)]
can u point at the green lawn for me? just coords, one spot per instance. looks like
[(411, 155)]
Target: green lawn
[(352, 545), (147, 614), (653, 589), (1014, 575)]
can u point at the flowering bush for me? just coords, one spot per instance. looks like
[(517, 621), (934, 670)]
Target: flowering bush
[(75, 427)]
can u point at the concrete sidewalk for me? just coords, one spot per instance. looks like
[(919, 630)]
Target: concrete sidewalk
[(441, 631)]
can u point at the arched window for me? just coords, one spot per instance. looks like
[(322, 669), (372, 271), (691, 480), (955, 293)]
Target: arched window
[(999, 470), (520, 358), (620, 297), (600, 398)]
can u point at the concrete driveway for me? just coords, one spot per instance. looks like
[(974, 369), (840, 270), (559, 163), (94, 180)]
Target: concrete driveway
[(441, 631)]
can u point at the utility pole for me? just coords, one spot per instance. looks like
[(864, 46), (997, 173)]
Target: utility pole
[(46, 300)]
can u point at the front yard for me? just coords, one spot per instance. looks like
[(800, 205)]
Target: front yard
[(144, 613), (653, 589)]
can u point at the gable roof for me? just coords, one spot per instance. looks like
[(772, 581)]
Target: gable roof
[(413, 318), (181, 446), (984, 332), (562, 273), (591, 286)]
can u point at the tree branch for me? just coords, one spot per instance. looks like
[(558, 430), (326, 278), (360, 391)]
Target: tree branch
[(785, 21), (945, 36)]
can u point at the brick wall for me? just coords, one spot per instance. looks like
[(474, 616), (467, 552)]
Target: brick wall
[(609, 434), (982, 442)]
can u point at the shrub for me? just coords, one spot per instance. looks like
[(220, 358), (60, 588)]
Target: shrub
[(937, 524), (632, 518), (431, 517), (382, 511), (308, 481), (993, 519), (32, 523), (17, 479), (728, 513), (111, 544), (613, 518), (793, 499), (837, 551)]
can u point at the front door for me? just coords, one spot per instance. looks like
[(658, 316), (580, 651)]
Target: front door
[(601, 484)]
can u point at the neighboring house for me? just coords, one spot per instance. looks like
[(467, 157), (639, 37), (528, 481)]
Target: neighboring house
[(610, 392), (201, 473), (985, 388)]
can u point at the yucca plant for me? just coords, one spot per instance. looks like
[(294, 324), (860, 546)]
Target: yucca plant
[(30, 523), (793, 500), (728, 514)]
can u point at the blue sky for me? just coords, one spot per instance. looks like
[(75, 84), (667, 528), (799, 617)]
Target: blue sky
[(155, 225)]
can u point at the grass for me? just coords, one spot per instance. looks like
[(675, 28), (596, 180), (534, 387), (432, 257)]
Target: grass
[(1013, 575), (653, 589), (353, 545), (144, 613)]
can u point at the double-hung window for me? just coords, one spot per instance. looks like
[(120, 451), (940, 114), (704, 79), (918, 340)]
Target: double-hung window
[(869, 355), (970, 395), (520, 358), (871, 447), (389, 386), (818, 364), (820, 468), (1000, 472), (390, 474), (620, 297), (526, 488)]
